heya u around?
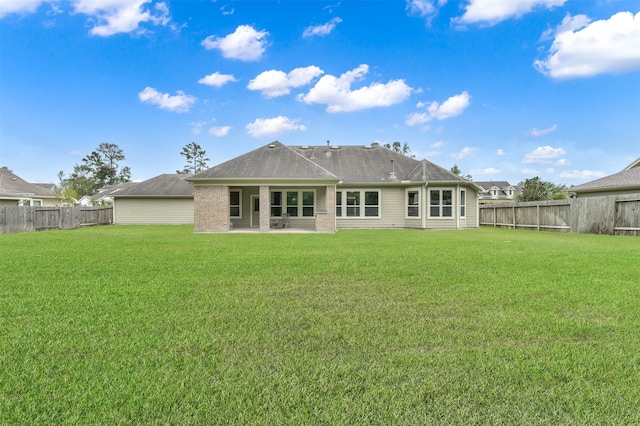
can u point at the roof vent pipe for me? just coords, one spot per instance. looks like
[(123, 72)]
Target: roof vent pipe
[(313, 154), (392, 175)]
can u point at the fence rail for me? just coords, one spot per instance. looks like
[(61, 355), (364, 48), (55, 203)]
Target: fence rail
[(14, 219)]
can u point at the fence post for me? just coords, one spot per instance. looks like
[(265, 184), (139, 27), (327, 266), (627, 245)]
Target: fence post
[(538, 214), (514, 217)]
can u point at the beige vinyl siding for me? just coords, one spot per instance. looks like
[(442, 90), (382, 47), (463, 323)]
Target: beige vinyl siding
[(392, 214), (153, 211), (472, 218)]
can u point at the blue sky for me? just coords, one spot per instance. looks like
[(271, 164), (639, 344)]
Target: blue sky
[(505, 89)]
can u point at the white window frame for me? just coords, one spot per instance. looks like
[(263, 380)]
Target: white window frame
[(441, 205), (300, 202), (239, 191), (362, 206), (407, 205), (30, 202), (463, 203)]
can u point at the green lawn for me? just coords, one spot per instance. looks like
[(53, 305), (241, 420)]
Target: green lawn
[(158, 325)]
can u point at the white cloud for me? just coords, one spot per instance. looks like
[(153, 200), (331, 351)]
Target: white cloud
[(438, 144), (121, 16), (336, 92), (563, 162), (424, 8), (543, 154), (274, 83), (501, 152), (605, 46), (216, 79), (196, 126), (487, 171), (273, 126), (177, 103), (536, 133), (581, 174), (452, 107), (464, 153), (220, 131), (19, 6), (321, 30), (491, 12), (530, 172), (244, 44)]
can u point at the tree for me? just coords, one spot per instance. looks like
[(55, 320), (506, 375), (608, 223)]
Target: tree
[(456, 171), (400, 148), (98, 169), (534, 189), (66, 193), (196, 159)]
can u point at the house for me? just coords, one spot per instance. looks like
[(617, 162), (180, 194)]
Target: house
[(163, 200), (104, 196), (15, 191), (326, 188), (497, 192), (609, 205)]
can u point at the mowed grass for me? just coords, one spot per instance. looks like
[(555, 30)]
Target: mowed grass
[(158, 325)]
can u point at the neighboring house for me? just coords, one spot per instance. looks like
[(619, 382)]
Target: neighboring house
[(325, 188), (610, 204), (163, 200), (15, 191), (104, 196), (497, 192)]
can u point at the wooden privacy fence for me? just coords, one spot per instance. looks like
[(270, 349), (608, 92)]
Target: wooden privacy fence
[(612, 214), (542, 215), (15, 219)]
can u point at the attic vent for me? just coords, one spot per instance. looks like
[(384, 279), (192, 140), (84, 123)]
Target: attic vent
[(335, 147), (367, 147), (272, 146), (305, 147)]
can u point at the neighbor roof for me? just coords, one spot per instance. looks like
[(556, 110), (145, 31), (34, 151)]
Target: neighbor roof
[(347, 164), (626, 179), (167, 185), (12, 186)]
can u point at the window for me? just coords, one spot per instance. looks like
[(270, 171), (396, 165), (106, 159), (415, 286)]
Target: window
[(308, 202), (353, 203), (32, 203), (235, 204), (298, 203), (371, 205), (440, 203), (276, 204), (413, 203), (292, 203), (463, 203), (358, 203)]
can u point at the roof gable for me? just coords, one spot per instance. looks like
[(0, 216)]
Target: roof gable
[(272, 161)]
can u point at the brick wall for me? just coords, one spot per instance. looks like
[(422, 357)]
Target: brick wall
[(211, 209), (265, 208), (326, 218)]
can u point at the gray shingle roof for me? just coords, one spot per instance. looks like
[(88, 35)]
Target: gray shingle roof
[(272, 161), (12, 186), (626, 179), (167, 185), (348, 164)]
